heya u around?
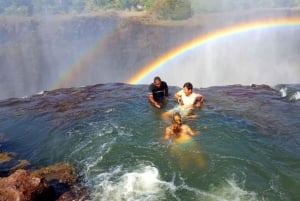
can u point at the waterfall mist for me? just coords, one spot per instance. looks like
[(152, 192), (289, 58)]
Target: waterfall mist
[(268, 56), (36, 53), (39, 54)]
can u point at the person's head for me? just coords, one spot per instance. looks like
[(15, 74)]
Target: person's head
[(187, 88), (157, 81), (176, 122)]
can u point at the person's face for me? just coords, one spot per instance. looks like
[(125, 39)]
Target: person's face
[(187, 91), (157, 83), (177, 119)]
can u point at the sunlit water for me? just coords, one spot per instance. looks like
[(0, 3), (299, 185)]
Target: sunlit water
[(249, 140)]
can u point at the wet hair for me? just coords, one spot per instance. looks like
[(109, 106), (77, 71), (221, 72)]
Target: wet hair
[(157, 78), (176, 122), (188, 85)]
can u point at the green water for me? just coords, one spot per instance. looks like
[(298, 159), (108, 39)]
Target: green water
[(249, 144)]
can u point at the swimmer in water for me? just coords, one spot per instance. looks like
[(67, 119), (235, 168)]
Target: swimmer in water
[(158, 92), (182, 134), (178, 131), (187, 102)]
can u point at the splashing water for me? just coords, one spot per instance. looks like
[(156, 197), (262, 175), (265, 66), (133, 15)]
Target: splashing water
[(140, 184), (248, 139), (295, 96), (283, 92)]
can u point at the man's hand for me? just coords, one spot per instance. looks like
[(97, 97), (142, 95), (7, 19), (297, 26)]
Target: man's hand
[(180, 102), (157, 105)]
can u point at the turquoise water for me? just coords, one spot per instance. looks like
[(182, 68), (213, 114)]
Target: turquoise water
[(249, 140)]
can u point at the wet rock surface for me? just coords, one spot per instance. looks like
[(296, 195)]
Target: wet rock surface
[(24, 186), (55, 182)]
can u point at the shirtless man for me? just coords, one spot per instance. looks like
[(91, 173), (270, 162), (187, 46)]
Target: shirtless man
[(187, 100), (184, 147), (178, 131)]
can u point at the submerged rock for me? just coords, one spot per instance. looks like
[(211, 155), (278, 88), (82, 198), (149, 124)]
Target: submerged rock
[(62, 172), (4, 157), (8, 164)]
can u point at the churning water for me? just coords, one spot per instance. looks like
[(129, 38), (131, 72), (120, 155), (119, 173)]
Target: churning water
[(249, 140)]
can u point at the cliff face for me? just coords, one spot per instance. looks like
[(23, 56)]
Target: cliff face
[(63, 51), (36, 53)]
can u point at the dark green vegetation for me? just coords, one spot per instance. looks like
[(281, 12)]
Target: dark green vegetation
[(165, 9)]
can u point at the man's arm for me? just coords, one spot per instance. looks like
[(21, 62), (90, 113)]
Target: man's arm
[(199, 100), (153, 102), (190, 131), (177, 97), (151, 97), (168, 133)]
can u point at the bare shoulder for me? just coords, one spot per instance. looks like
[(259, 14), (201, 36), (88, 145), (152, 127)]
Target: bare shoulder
[(169, 130), (185, 126)]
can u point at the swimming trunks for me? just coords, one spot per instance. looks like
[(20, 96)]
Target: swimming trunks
[(183, 111)]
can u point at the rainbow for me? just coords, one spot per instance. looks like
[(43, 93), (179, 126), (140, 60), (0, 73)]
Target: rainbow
[(212, 36), (76, 69)]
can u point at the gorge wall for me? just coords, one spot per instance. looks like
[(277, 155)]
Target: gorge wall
[(39, 54)]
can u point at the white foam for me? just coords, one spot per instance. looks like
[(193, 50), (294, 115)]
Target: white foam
[(41, 93), (144, 184), (110, 110), (229, 191), (295, 96), (141, 184), (283, 92)]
